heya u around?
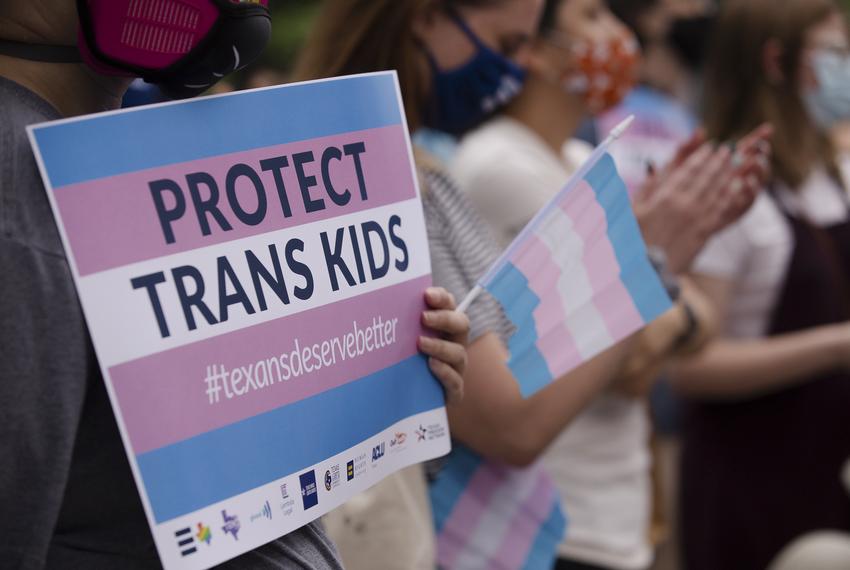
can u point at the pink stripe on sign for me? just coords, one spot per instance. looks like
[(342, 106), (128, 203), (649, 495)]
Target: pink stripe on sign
[(463, 520), (527, 522), (164, 398), (113, 221)]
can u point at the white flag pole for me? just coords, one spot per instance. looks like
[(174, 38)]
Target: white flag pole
[(579, 175), (470, 297)]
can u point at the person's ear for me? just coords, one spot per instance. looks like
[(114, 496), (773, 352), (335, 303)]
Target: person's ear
[(771, 61)]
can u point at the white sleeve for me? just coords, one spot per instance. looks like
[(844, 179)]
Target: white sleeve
[(507, 191), (725, 255)]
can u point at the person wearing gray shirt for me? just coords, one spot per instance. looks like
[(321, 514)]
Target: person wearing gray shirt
[(66, 490)]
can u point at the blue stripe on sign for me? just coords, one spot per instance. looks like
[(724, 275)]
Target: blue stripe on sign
[(544, 549), (637, 273), (451, 482), (211, 467), (190, 130), (510, 287)]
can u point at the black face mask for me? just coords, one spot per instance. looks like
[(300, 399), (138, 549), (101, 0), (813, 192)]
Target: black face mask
[(690, 38)]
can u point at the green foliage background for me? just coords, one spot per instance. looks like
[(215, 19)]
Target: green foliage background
[(291, 21)]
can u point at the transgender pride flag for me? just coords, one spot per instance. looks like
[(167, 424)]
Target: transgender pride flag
[(577, 279), (489, 515)]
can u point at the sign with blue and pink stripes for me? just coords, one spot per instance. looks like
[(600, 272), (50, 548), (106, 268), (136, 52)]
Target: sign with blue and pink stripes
[(251, 267), (577, 279)]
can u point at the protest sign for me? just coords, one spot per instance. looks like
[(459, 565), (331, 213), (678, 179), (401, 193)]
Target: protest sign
[(251, 267)]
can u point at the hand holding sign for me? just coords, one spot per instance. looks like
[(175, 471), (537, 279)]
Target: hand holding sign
[(448, 356)]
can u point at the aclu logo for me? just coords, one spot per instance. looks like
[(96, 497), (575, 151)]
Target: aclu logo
[(309, 493), (378, 451)]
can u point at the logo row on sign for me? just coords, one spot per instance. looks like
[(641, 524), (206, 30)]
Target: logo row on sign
[(188, 540)]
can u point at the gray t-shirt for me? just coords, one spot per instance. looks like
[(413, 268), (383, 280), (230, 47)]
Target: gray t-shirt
[(67, 496)]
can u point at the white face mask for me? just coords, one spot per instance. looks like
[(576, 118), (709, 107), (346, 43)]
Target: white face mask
[(829, 102)]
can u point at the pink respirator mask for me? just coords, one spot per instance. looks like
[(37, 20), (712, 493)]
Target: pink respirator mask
[(183, 46)]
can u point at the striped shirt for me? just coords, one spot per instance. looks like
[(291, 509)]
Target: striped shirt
[(462, 250)]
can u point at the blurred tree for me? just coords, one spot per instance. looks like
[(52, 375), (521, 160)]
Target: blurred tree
[(291, 23)]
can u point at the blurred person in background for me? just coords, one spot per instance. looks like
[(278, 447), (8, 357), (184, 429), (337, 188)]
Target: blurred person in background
[(673, 35), (767, 428), (66, 489), (458, 62), (582, 62), (68, 496)]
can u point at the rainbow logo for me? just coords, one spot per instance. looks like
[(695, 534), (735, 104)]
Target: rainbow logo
[(204, 534)]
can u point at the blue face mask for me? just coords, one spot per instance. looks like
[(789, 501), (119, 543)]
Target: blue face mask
[(829, 103), (463, 98)]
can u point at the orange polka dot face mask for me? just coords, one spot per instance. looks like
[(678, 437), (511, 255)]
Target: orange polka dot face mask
[(602, 72)]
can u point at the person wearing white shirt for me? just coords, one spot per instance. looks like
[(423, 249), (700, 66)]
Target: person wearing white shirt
[(766, 425), (581, 62)]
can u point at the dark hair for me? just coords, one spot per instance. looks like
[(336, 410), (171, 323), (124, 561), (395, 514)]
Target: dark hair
[(630, 11), (360, 36), (549, 19), (627, 11), (739, 94)]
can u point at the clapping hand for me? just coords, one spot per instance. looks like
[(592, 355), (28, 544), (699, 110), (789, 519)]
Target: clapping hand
[(705, 188)]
